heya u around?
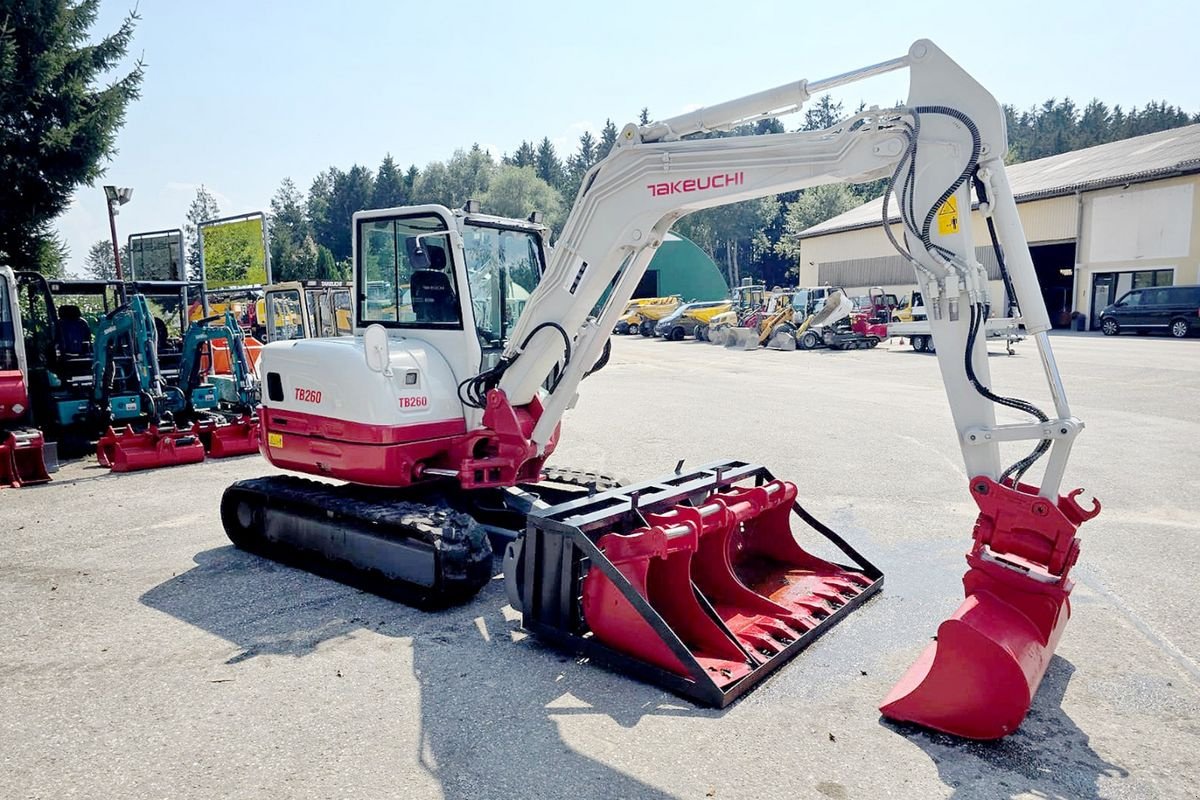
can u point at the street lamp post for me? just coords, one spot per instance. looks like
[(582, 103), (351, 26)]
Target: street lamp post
[(116, 197)]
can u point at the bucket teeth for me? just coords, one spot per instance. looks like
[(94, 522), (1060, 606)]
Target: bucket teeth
[(725, 582)]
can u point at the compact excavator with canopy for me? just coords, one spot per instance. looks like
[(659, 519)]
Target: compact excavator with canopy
[(472, 341)]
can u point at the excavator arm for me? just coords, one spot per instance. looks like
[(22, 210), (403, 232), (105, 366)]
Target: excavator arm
[(977, 680)]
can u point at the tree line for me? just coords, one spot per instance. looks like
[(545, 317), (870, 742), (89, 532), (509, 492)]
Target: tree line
[(311, 236)]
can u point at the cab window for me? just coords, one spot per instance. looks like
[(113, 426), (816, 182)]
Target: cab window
[(283, 312), (1131, 299), (408, 277), (343, 313), (503, 268)]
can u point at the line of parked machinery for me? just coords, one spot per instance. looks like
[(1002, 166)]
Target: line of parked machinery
[(148, 374), (794, 318)]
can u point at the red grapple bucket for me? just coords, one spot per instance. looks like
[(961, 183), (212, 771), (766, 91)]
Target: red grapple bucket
[(128, 450), (978, 679), (721, 591), (22, 460), (225, 439)]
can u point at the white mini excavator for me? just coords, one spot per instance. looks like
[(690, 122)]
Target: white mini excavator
[(440, 413)]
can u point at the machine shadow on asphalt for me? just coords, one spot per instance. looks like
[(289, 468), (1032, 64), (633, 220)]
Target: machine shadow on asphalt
[(1049, 756), (475, 668)]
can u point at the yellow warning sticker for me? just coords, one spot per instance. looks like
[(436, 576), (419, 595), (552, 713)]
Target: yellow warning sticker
[(947, 217), (275, 440)]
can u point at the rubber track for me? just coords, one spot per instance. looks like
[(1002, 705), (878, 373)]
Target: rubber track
[(460, 545)]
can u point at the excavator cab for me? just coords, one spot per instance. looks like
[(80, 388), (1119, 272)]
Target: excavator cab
[(433, 270), (308, 310)]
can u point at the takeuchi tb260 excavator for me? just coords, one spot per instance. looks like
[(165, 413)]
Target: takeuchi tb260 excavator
[(470, 345)]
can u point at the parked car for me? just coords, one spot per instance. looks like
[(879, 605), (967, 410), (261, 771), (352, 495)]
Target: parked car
[(1174, 309), (678, 324)]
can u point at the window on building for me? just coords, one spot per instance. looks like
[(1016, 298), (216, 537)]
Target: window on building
[(1145, 279)]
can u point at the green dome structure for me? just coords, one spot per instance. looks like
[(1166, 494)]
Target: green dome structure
[(681, 267)]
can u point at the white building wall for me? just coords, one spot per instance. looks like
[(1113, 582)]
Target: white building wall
[(1143, 227)]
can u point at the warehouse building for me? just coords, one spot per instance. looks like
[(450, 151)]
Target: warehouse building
[(681, 267), (1099, 221)]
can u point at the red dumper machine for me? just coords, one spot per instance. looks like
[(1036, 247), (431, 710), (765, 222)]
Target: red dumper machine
[(470, 344), (21, 445)]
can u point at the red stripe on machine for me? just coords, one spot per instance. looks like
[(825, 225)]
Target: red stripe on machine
[(341, 430)]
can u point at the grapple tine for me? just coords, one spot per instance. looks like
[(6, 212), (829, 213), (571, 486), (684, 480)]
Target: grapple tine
[(978, 679), (696, 596)]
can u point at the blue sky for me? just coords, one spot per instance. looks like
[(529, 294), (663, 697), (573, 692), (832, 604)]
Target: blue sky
[(239, 95)]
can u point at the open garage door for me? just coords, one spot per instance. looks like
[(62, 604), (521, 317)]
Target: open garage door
[(1055, 265)]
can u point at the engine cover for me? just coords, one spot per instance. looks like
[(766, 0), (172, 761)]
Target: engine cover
[(326, 413)]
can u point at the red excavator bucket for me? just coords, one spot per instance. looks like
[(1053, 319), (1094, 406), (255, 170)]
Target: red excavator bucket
[(22, 462), (707, 593), (128, 450), (225, 439), (978, 678)]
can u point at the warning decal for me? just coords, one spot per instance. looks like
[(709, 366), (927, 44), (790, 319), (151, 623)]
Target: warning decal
[(947, 217)]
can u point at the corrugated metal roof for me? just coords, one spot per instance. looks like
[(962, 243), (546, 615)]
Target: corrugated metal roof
[(889, 270), (1142, 158)]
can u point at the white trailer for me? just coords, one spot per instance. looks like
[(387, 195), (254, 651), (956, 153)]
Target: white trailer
[(1008, 329)]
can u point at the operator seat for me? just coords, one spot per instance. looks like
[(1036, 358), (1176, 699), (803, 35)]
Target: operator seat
[(433, 297), (74, 335)]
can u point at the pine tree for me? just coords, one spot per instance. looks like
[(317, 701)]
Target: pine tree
[(326, 268), (293, 253), (824, 114), (525, 156), (644, 117), (547, 166), (389, 189), (60, 111), (203, 208), (608, 138)]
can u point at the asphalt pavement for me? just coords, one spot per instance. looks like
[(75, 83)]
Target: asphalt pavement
[(143, 656)]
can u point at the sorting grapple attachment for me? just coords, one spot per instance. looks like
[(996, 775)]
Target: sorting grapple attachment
[(127, 450), (978, 679), (22, 460), (227, 438), (707, 590)]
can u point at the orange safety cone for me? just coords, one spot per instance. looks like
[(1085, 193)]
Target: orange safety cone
[(978, 679)]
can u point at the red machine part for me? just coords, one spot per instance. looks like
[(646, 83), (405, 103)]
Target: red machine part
[(734, 554), (22, 461), (498, 454), (14, 398), (978, 678), (128, 450), (239, 437), (861, 323)]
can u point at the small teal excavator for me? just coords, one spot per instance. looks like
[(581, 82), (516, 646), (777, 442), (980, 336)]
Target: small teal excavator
[(220, 407), (201, 414), (128, 388)]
